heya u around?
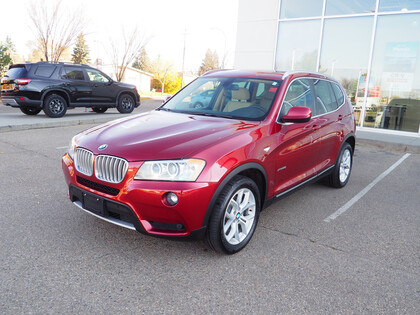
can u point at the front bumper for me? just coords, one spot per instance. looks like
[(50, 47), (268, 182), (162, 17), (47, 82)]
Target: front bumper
[(141, 205)]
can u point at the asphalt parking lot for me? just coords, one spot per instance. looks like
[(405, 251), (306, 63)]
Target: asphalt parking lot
[(58, 259)]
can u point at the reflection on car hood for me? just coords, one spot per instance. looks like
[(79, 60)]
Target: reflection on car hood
[(161, 135)]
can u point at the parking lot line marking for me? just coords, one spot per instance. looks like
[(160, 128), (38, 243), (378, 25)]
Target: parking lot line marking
[(365, 190), (59, 148)]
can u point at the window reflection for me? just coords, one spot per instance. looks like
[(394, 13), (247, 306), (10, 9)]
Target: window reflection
[(398, 5), (346, 58), (394, 91), (300, 8), (297, 46), (339, 7)]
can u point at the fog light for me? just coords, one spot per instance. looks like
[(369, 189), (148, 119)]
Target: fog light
[(172, 198)]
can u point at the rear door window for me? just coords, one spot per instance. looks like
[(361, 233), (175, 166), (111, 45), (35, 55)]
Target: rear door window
[(72, 73), (45, 71), (325, 99)]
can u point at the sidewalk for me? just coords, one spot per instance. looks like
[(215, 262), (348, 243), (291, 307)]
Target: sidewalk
[(12, 119)]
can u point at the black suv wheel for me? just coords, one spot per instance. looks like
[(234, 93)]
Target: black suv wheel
[(55, 106), (30, 110), (125, 104)]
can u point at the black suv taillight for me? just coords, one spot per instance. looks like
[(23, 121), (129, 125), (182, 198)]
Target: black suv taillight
[(22, 81)]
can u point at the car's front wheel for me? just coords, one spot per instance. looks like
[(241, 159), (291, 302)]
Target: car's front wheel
[(125, 104), (55, 106), (30, 110), (235, 216)]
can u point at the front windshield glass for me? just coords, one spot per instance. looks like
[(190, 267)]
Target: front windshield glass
[(236, 98)]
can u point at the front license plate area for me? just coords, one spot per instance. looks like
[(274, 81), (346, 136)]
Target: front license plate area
[(94, 204)]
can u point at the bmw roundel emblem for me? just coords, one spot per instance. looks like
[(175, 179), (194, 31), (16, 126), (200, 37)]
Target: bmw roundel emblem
[(102, 147)]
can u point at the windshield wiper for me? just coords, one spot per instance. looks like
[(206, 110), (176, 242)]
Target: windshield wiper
[(164, 109), (211, 115)]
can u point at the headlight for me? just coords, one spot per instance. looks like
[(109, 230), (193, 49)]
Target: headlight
[(73, 145), (186, 170)]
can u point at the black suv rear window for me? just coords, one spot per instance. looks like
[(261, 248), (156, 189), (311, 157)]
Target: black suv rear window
[(45, 71), (15, 73)]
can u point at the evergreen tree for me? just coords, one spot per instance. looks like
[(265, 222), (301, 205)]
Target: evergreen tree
[(81, 51), (210, 62), (142, 61), (6, 51)]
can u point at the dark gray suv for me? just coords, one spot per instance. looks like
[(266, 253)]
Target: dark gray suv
[(55, 87)]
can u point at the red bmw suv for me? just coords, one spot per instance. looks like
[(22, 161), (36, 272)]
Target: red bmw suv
[(208, 171)]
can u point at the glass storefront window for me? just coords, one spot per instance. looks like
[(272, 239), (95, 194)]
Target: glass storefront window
[(393, 100), (340, 7), (297, 45), (346, 58), (300, 8), (398, 5)]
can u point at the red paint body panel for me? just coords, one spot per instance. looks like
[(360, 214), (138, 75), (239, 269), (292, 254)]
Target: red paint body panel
[(288, 153)]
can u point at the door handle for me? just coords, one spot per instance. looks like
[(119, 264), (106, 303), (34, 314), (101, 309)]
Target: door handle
[(94, 85), (315, 127)]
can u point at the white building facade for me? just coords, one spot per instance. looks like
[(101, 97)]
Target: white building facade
[(371, 46)]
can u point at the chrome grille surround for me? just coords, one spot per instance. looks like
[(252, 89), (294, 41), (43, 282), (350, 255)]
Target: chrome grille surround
[(110, 169), (83, 160)]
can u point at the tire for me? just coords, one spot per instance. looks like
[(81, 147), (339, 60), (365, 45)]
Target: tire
[(230, 229), (342, 169), (125, 104), (55, 106), (99, 110), (31, 111)]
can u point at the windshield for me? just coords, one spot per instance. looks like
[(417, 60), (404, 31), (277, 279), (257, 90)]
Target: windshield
[(236, 98)]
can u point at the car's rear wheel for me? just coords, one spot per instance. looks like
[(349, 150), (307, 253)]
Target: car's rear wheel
[(55, 106), (235, 216), (99, 110), (125, 104), (30, 110), (342, 169)]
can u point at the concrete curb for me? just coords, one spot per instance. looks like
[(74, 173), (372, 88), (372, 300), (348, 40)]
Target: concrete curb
[(388, 145), (54, 124)]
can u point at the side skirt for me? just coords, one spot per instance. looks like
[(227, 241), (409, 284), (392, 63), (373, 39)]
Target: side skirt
[(289, 191)]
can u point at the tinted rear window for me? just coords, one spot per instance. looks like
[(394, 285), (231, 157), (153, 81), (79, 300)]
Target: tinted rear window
[(72, 73), (14, 73), (45, 71)]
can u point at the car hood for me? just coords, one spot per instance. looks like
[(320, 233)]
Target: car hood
[(124, 85), (160, 135)]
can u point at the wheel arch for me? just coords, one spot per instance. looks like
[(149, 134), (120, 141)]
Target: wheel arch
[(350, 139), (126, 92), (58, 92), (252, 170)]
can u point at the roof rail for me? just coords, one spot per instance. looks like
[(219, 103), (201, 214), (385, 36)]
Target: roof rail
[(288, 73)]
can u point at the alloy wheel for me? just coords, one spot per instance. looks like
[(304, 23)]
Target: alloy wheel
[(239, 216)]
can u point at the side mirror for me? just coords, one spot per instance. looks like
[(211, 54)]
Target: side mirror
[(110, 82), (298, 114)]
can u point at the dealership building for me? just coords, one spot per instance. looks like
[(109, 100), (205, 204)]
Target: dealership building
[(371, 46)]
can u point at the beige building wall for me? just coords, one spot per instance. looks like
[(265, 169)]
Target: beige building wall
[(256, 35)]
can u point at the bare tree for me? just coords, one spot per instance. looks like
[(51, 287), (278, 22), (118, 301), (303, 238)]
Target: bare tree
[(161, 69), (56, 27), (122, 55)]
